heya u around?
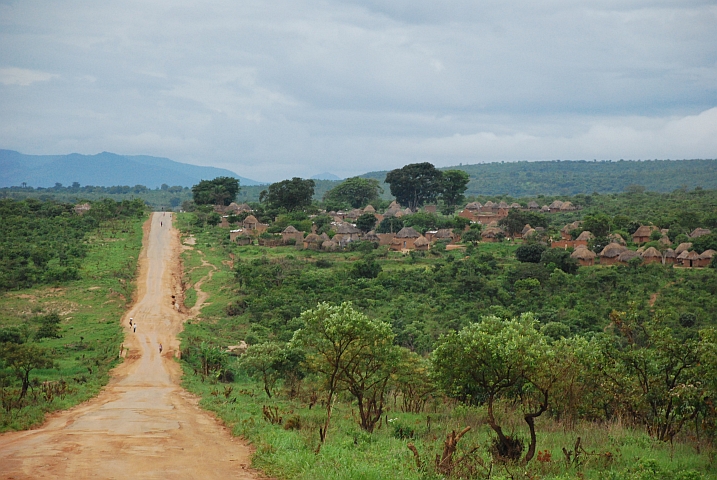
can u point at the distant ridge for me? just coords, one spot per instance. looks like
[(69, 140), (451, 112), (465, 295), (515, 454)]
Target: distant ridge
[(572, 177), (326, 176), (104, 169)]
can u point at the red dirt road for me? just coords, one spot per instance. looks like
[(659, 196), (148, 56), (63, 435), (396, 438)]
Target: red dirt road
[(142, 425)]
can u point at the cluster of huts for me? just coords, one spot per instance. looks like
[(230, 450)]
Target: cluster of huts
[(344, 232), (616, 252)]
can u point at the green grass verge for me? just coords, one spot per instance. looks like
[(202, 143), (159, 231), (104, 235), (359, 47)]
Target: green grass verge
[(91, 333)]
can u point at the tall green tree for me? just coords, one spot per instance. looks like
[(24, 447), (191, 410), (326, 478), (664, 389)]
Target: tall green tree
[(500, 358), (415, 184), (220, 191), (518, 219), (291, 195), (350, 352), (23, 358), (453, 185), (356, 192)]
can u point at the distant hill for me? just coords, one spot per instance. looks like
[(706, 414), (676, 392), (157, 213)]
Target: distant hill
[(104, 169), (325, 176), (522, 179)]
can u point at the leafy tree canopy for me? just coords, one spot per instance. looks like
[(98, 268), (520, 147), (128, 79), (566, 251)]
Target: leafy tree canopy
[(291, 195), (453, 185), (356, 192), (220, 191), (415, 184)]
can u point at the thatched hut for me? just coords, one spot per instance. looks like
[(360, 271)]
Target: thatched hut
[(291, 233), (652, 255), (251, 223), (565, 231), (584, 238), (555, 206), (421, 243), (405, 239), (584, 256), (515, 205), (473, 207), (616, 238), (492, 234), (670, 257), (625, 257), (683, 247), (698, 232), (705, 258), (346, 233), (545, 209), (312, 242), (444, 235), (529, 233), (567, 207), (610, 254), (503, 204), (643, 233), (688, 259), (369, 209), (371, 237), (533, 205), (329, 246)]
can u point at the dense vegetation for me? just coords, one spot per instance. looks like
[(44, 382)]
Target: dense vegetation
[(510, 179), (59, 334), (560, 371)]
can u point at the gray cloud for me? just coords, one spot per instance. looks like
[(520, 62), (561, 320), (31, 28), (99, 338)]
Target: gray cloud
[(293, 88)]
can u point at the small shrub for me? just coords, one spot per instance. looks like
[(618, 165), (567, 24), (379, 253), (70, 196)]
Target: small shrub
[(293, 423)]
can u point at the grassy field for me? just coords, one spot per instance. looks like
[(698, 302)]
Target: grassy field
[(286, 448), (91, 335)]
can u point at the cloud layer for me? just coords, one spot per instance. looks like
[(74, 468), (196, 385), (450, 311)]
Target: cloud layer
[(292, 88)]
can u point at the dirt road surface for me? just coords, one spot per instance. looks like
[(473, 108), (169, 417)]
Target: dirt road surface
[(142, 425)]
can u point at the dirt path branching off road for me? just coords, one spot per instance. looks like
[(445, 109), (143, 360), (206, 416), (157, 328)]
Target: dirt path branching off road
[(142, 425)]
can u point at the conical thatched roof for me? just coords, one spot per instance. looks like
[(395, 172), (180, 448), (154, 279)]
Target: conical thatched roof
[(515, 205), (444, 233), (371, 237), (613, 250), (533, 204), (329, 245), (585, 236), (347, 229), (324, 237), (494, 223), (698, 232), (640, 250), (528, 233), (502, 204), (473, 206), (394, 204), (251, 219), (526, 228), (583, 254), (407, 232), (312, 238), (408, 211), (489, 204), (556, 205), (683, 247), (567, 206), (683, 254), (616, 238), (669, 253), (692, 255), (570, 227), (707, 254), (652, 252), (643, 231), (369, 209), (391, 212), (355, 213), (545, 208), (421, 241), (491, 232), (244, 207), (290, 229), (628, 255), (665, 240)]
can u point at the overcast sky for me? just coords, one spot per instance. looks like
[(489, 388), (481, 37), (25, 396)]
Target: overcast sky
[(275, 89)]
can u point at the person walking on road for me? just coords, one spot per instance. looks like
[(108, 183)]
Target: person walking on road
[(134, 327), (160, 348)]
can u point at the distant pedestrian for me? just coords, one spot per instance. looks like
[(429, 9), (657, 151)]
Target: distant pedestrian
[(160, 224), (130, 321), (160, 348), (135, 328)]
